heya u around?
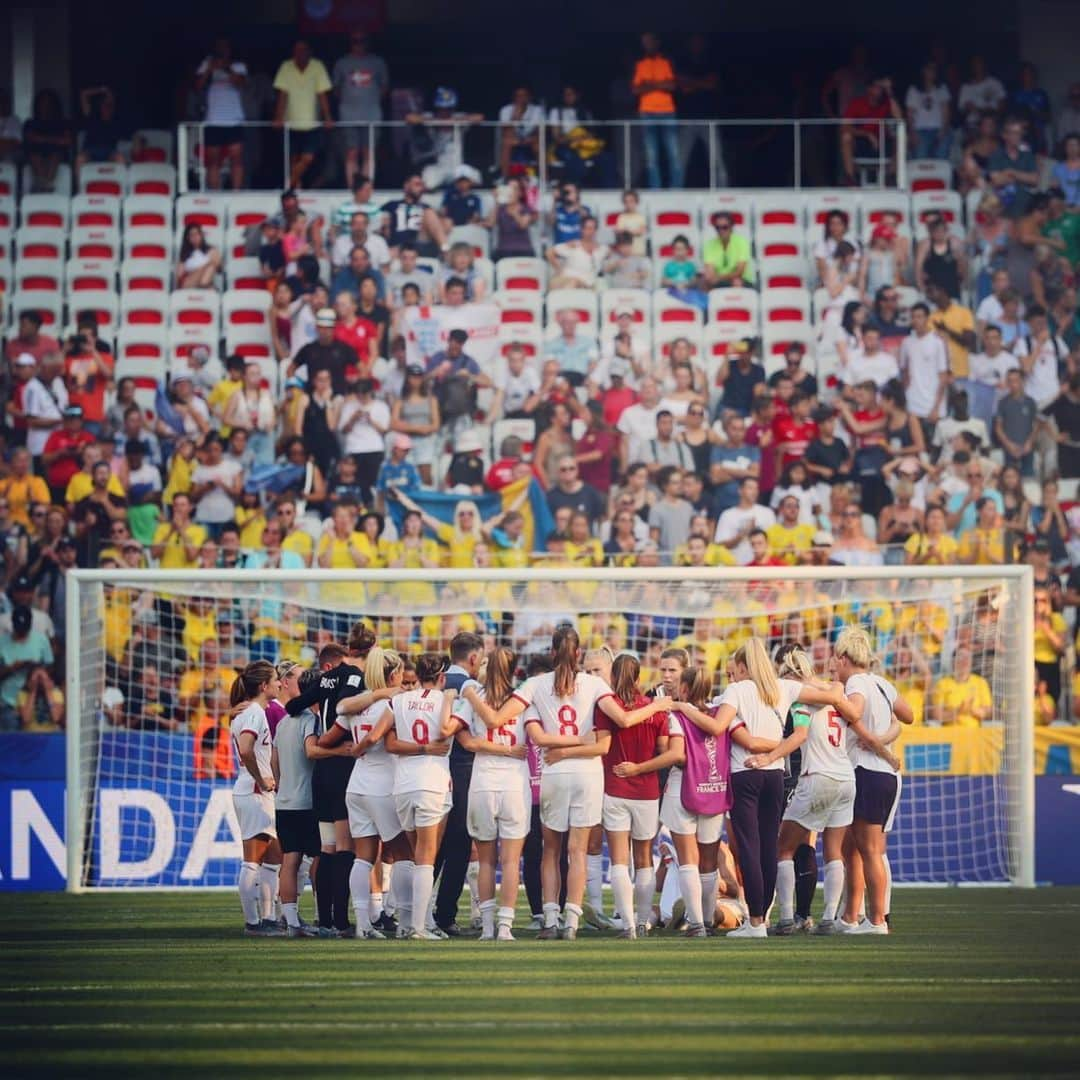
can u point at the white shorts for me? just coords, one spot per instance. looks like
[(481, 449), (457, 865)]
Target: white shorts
[(571, 800), (372, 815), (822, 802), (506, 814), (255, 813), (639, 817), (418, 809), (707, 828)]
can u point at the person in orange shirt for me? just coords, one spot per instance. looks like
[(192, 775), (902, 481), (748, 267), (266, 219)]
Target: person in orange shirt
[(654, 85)]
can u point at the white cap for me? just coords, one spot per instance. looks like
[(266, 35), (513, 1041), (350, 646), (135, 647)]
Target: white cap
[(25, 360)]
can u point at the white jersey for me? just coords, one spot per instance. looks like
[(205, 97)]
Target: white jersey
[(493, 772), (760, 720), (571, 715), (253, 719), (418, 719), (878, 697), (825, 751), (372, 774)]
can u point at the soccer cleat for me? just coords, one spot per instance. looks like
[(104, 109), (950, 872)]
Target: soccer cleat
[(477, 923), (282, 923), (329, 932), (402, 933), (804, 926), (504, 934), (254, 930), (695, 930), (642, 930), (748, 930), (568, 933), (846, 927), (346, 931), (302, 931), (678, 913), (272, 929), (629, 934), (423, 935), (486, 937), (371, 935), (826, 928), (784, 928), (386, 923), (549, 933), (453, 930), (865, 926), (536, 923), (440, 933)]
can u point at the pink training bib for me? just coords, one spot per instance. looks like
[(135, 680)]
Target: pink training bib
[(706, 780)]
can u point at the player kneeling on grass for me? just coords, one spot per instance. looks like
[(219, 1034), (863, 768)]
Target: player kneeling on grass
[(500, 797), (572, 781), (631, 794), (253, 792), (421, 781), (824, 798)]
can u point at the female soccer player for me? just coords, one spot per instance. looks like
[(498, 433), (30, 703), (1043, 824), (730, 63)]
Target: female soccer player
[(824, 797), (596, 662), (631, 793), (873, 700), (500, 796), (253, 792), (754, 706), (369, 796), (421, 780), (572, 782)]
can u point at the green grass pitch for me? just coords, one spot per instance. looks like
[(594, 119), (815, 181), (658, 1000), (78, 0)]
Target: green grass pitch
[(971, 982)]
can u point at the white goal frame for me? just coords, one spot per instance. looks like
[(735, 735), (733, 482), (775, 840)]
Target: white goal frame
[(1022, 576)]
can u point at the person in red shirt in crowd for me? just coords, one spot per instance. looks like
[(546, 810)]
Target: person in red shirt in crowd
[(782, 393), (63, 449), (360, 334), (794, 432), (618, 396), (762, 591), (760, 434), (88, 372), (597, 449), (30, 339), (511, 465), (861, 135)]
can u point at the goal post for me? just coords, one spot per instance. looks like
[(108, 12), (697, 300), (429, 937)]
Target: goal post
[(149, 765)]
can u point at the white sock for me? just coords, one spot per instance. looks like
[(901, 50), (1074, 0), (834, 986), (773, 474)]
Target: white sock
[(423, 882), (690, 884), (594, 882), (248, 887), (375, 906), (888, 884), (834, 888), (292, 917), (708, 896), (472, 879), (360, 891), (505, 916), (644, 887), (487, 916), (572, 915), (303, 877), (623, 891), (785, 888), (551, 915), (401, 892), (268, 887)]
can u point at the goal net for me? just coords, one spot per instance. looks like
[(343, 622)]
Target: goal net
[(151, 655)]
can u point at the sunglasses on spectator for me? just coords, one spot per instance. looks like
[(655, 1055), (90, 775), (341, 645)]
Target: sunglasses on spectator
[(37, 513), (696, 412), (567, 468)]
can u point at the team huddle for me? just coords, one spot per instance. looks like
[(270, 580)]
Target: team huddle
[(376, 774)]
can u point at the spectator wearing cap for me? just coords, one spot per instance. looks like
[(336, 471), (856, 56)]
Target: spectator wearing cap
[(396, 472), (362, 424), (576, 353), (325, 353), (624, 269), (578, 263), (190, 411), (21, 488), (726, 256), (21, 594), (303, 95), (62, 451), (517, 390), (465, 473), (740, 379), (617, 396), (25, 657), (31, 410)]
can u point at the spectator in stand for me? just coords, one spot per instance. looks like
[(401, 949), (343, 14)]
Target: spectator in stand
[(519, 138), (869, 361), (30, 339), (984, 545), (794, 431), (625, 270), (303, 95), (251, 409), (924, 364), (835, 232), (461, 204), (961, 698), (578, 263), (987, 375), (456, 377), (198, 263), (961, 512), (360, 235), (46, 141), (671, 514), (726, 256), (177, 541), (576, 353), (31, 410), (864, 133), (415, 415), (1040, 354), (1013, 170), (732, 461), (664, 450), (568, 214), (1066, 173), (654, 84), (571, 492), (88, 371), (851, 546), (63, 451), (596, 450), (22, 488), (348, 278), (736, 523), (461, 266), (325, 353), (929, 115), (955, 325), (982, 93), (517, 391), (102, 132), (10, 129), (512, 222), (885, 318), (788, 537), (1050, 642), (940, 259), (741, 381), (223, 79), (217, 484), (992, 307), (413, 223), (801, 379), (362, 83), (1032, 105), (1065, 428), (25, 659), (988, 242), (827, 458)]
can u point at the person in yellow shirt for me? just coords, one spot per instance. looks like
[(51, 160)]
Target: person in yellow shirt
[(1050, 635), (788, 538), (21, 488), (581, 548), (181, 470), (912, 676), (205, 687), (459, 538), (697, 551), (1076, 698), (414, 551), (223, 391), (985, 544), (200, 624), (303, 92), (707, 643), (82, 483), (926, 623), (176, 542), (962, 698), (506, 533), (341, 547), (955, 325), (250, 517), (934, 546), (1046, 710), (294, 539)]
